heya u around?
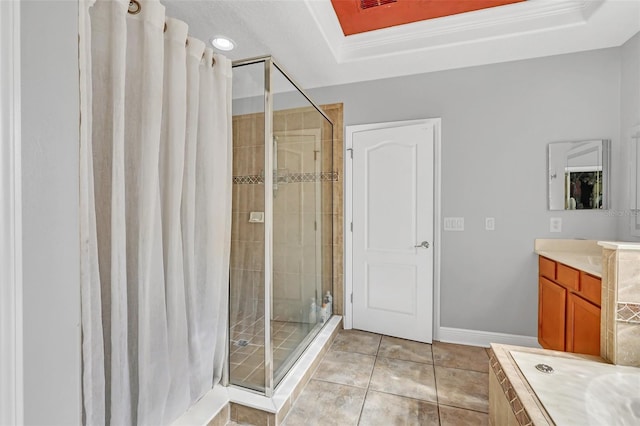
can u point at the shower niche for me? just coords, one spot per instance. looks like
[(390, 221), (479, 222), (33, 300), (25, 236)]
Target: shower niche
[(282, 227)]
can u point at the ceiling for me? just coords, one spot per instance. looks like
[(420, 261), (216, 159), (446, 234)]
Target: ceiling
[(306, 39), (358, 16)]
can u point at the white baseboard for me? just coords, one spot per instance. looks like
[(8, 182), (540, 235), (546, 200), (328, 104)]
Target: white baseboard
[(483, 338)]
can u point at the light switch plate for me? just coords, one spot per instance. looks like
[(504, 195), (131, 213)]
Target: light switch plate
[(454, 223), (555, 224), (490, 223)]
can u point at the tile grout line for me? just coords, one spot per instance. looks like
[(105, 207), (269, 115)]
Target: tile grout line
[(413, 398), (463, 369), (339, 384), (463, 408), (435, 383), (366, 392)]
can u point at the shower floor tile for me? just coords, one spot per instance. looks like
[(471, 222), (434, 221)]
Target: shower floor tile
[(246, 349)]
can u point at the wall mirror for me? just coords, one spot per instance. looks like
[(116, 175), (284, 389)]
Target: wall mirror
[(578, 175)]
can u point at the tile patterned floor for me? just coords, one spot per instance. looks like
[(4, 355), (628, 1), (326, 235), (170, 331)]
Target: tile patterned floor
[(369, 379)]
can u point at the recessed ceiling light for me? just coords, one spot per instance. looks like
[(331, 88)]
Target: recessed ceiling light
[(222, 43)]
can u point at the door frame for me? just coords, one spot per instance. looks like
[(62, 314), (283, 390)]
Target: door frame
[(11, 312), (350, 131)]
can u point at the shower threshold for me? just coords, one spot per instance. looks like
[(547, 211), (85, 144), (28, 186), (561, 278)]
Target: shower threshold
[(246, 402)]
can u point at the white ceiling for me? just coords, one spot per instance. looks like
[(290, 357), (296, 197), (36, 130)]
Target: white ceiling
[(305, 38)]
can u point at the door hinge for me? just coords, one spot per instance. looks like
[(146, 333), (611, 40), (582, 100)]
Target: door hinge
[(315, 226), (350, 152), (351, 227), (351, 297)]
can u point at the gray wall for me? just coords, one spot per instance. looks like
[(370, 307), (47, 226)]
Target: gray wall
[(51, 271), (496, 123), (629, 117)]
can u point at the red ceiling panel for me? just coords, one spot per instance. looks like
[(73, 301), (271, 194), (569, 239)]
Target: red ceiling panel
[(358, 16)]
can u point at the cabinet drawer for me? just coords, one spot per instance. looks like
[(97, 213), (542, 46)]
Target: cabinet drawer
[(591, 287), (547, 267), (567, 276)]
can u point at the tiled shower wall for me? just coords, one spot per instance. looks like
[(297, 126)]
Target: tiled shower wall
[(247, 239), (294, 212)]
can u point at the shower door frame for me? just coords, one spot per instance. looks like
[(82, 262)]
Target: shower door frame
[(11, 306), (269, 153)]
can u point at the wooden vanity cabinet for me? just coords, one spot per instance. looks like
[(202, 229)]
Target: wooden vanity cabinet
[(568, 308), (583, 326), (552, 302)]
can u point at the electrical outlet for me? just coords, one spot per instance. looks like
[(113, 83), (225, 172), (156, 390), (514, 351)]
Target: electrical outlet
[(454, 223), (490, 223), (555, 224)]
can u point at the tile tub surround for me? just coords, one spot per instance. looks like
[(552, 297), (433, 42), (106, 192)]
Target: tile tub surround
[(620, 321), (369, 379), (511, 398), (585, 255)]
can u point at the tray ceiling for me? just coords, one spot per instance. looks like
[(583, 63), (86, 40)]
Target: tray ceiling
[(358, 16), (306, 38)]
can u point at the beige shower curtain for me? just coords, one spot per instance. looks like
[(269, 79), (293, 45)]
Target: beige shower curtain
[(156, 208)]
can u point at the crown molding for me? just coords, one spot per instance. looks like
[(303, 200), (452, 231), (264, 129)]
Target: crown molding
[(483, 26)]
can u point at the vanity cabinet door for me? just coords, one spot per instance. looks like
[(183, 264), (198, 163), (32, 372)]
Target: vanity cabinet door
[(552, 300), (583, 326)]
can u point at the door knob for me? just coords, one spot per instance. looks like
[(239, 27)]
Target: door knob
[(424, 244)]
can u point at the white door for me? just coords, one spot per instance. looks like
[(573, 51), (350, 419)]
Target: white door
[(393, 183)]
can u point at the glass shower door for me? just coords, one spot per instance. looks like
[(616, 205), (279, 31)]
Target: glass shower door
[(247, 274), (297, 312), (282, 224)]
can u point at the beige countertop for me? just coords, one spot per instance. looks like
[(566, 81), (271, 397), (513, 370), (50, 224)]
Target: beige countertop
[(619, 245), (585, 255)]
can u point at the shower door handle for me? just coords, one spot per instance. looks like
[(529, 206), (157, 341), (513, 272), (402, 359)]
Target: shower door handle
[(424, 244)]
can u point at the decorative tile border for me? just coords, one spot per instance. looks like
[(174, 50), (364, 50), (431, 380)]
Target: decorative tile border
[(628, 312), (288, 178), (250, 179), (516, 406)]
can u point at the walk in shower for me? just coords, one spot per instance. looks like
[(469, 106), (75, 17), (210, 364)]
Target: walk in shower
[(282, 227)]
